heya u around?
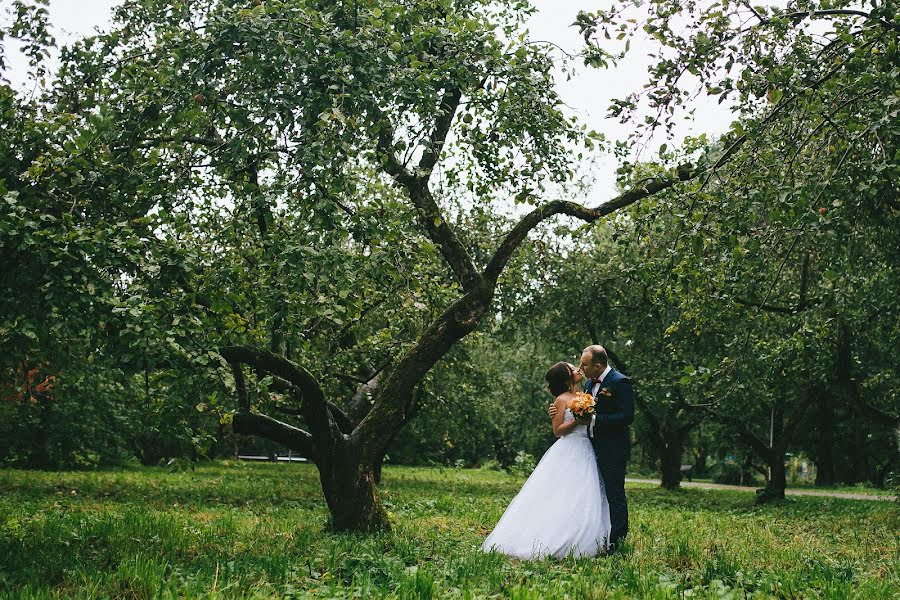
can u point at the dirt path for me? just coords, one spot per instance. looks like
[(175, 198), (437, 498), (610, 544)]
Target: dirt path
[(789, 492)]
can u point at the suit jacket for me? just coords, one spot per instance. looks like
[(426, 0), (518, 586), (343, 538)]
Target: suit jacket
[(614, 414)]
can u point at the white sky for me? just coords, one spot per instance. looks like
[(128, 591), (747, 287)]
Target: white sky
[(588, 94)]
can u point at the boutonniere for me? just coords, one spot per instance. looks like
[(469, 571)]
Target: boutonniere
[(605, 392)]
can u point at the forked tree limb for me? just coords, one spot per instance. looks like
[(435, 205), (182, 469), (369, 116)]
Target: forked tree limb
[(283, 386), (314, 406), (449, 104), (428, 213)]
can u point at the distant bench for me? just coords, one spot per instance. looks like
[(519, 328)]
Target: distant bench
[(273, 458), (686, 471)]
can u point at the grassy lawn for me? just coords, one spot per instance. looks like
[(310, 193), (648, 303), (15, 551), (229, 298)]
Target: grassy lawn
[(257, 530)]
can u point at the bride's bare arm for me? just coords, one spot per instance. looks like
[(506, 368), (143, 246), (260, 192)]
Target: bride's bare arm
[(560, 428)]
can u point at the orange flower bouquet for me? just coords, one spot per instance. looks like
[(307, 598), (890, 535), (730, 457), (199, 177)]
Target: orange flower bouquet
[(582, 405)]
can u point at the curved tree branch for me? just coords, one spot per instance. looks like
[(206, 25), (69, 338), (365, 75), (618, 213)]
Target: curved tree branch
[(395, 397), (314, 405), (428, 213), (518, 233), (283, 386)]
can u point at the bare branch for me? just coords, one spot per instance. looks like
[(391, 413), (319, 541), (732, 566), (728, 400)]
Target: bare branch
[(813, 14), (269, 428)]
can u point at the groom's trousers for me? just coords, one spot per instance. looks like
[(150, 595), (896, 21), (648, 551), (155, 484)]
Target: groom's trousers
[(612, 469)]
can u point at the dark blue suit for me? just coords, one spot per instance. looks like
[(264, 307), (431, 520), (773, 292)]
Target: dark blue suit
[(612, 444)]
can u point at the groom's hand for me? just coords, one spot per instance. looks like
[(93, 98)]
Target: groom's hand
[(552, 410)]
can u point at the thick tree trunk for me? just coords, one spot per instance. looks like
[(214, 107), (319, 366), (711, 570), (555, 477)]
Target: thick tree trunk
[(350, 463), (349, 488), (774, 489), (774, 455), (671, 460), (348, 481), (825, 454)]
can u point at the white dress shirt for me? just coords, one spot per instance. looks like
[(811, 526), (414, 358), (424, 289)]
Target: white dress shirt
[(594, 389)]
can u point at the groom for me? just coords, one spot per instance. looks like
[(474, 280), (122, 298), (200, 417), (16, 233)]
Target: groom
[(610, 436)]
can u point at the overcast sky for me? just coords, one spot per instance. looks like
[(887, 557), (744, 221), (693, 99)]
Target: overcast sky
[(588, 94)]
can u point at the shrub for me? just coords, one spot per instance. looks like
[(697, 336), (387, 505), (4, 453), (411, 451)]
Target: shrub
[(523, 464)]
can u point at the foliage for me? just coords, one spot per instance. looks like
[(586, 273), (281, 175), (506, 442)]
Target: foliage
[(523, 465), (782, 256), (29, 25)]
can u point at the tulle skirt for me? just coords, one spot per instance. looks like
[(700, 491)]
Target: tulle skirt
[(561, 509)]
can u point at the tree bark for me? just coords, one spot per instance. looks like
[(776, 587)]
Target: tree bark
[(348, 483), (671, 452), (774, 455), (775, 488), (825, 454)]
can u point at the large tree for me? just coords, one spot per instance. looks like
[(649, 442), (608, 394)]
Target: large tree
[(278, 187)]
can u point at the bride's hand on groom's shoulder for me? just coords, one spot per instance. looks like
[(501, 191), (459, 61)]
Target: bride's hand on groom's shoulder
[(552, 410)]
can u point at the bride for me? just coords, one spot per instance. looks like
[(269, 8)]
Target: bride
[(562, 507)]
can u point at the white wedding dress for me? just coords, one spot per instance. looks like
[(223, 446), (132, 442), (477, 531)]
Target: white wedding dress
[(561, 509)]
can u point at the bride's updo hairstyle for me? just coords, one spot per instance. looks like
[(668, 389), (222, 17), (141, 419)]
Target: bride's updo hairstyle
[(559, 378)]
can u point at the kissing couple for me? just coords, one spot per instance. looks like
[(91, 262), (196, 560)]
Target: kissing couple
[(573, 503)]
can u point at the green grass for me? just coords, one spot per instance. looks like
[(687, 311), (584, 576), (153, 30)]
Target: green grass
[(257, 531)]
